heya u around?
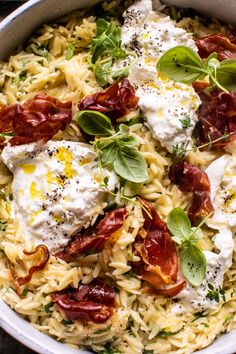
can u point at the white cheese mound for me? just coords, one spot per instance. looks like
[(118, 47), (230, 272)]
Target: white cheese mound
[(56, 189), (164, 103), (222, 175), (194, 299)]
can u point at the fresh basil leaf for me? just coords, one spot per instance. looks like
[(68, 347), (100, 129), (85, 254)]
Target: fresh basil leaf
[(226, 74), (182, 64), (70, 51), (130, 165), (193, 264), (128, 142), (94, 123), (108, 153), (179, 225)]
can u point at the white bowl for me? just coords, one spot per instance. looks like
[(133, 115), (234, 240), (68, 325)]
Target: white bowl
[(27, 18)]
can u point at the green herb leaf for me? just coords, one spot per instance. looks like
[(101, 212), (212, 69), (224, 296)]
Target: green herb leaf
[(102, 330), (226, 74), (4, 135), (94, 123), (121, 72), (179, 225), (130, 165), (215, 294), (127, 142), (24, 292), (163, 333), (186, 123), (108, 153), (102, 26), (182, 64), (108, 349), (70, 51), (145, 351), (48, 307), (131, 189), (193, 263), (107, 41), (23, 75), (102, 71), (3, 225), (198, 315)]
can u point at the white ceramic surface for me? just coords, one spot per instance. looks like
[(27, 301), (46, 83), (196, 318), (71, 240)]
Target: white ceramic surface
[(13, 30)]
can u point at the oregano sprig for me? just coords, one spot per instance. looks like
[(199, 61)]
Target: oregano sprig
[(183, 64), (116, 149), (192, 259), (106, 48)]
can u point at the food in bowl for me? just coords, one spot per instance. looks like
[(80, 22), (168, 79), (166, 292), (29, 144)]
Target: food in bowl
[(117, 179)]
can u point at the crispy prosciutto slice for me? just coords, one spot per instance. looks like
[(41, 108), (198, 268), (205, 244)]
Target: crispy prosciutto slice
[(217, 118), (36, 119), (94, 302), (43, 254), (83, 244), (190, 178), (223, 46), (159, 261), (116, 101)]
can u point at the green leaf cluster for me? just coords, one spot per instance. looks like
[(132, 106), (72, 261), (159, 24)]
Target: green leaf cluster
[(192, 259), (183, 64), (215, 294), (118, 150), (106, 48)]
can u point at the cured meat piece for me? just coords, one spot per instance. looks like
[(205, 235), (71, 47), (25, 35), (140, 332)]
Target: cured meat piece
[(94, 302), (159, 261), (190, 178), (217, 118), (83, 244), (115, 102), (223, 46), (37, 119)]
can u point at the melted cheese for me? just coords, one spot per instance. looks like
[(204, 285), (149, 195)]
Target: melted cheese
[(56, 189)]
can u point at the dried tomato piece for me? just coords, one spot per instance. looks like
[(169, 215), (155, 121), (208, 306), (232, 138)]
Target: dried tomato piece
[(190, 178), (83, 244), (115, 102), (94, 302), (219, 44), (41, 250), (38, 118), (217, 118), (159, 260)]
